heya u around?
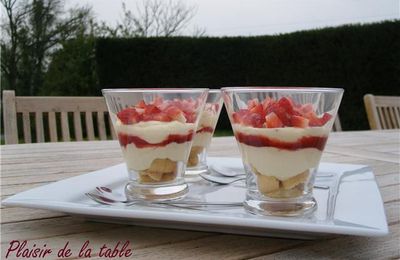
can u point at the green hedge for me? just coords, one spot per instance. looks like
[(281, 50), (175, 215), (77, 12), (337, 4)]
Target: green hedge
[(360, 58)]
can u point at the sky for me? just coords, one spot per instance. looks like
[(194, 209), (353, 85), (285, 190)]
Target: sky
[(263, 17)]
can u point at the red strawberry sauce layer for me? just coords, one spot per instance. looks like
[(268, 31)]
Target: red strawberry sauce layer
[(275, 114), (125, 139), (317, 142), (207, 129)]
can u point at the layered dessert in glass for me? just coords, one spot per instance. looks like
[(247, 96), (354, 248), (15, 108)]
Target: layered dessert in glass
[(155, 129), (281, 133), (197, 162)]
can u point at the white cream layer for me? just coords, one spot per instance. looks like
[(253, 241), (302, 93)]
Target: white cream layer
[(202, 139), (207, 119), (140, 159), (154, 131), (282, 164), (287, 134)]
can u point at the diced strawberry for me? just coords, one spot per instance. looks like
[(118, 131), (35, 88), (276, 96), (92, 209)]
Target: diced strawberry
[(173, 111), (152, 109), (238, 116), (188, 105), (252, 103), (258, 109), (129, 116), (316, 121), (190, 117), (306, 108), (160, 110), (281, 112), (267, 102), (158, 101), (326, 117), (141, 104), (299, 121), (273, 121), (175, 114), (287, 104), (253, 119), (162, 117)]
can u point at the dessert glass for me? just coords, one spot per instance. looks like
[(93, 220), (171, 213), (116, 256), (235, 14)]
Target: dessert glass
[(155, 128), (281, 133), (197, 162)]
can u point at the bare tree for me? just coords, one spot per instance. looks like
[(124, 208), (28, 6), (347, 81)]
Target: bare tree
[(10, 58), (32, 30), (155, 18)]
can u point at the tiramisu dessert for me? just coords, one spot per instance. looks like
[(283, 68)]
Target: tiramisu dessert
[(204, 132), (156, 137), (281, 142)]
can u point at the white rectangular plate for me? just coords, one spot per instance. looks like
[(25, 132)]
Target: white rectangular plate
[(352, 205)]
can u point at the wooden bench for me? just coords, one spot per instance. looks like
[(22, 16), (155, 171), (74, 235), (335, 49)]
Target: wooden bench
[(87, 117), (383, 111)]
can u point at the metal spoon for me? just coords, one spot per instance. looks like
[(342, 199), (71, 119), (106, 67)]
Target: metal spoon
[(108, 201), (227, 171), (228, 180), (234, 171), (109, 193), (221, 180)]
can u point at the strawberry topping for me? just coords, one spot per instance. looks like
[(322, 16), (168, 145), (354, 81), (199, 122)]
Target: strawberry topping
[(129, 116), (283, 112), (160, 110)]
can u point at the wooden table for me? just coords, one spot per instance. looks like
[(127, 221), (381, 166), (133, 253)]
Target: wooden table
[(26, 166)]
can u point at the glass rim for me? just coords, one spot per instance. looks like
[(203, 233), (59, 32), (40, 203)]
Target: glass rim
[(154, 90), (244, 89), (214, 91)]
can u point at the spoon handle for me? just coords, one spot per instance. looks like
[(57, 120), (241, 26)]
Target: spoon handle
[(188, 203), (202, 203), (107, 201)]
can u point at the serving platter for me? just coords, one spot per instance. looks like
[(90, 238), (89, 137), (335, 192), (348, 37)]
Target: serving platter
[(351, 206)]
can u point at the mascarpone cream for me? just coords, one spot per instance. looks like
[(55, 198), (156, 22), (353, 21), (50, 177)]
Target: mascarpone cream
[(281, 163), (140, 159), (202, 139), (207, 119), (154, 131)]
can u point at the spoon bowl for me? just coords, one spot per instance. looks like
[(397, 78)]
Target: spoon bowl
[(227, 170), (221, 179)]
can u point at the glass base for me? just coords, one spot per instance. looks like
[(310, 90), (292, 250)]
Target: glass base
[(302, 206), (172, 191)]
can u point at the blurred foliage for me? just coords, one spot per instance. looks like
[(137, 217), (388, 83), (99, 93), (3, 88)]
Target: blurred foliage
[(49, 50), (72, 70), (32, 31), (359, 58)]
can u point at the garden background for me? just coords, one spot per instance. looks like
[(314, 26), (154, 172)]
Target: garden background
[(359, 58)]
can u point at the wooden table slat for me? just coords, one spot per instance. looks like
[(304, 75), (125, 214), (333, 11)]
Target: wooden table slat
[(26, 166)]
